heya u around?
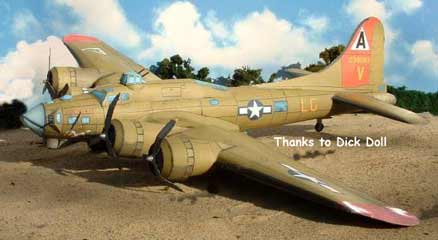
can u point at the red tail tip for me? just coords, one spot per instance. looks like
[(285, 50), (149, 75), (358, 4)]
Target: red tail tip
[(79, 38)]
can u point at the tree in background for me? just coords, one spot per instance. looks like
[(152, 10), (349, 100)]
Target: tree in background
[(246, 76), (272, 77), (10, 114), (315, 67), (176, 67), (416, 101), (328, 56)]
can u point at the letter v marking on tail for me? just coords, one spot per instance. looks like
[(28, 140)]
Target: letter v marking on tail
[(360, 70)]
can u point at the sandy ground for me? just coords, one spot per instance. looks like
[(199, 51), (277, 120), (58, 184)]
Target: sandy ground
[(74, 194)]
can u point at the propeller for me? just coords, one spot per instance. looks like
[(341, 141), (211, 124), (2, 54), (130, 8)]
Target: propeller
[(107, 127), (154, 151), (63, 91), (33, 122), (47, 85), (74, 123)]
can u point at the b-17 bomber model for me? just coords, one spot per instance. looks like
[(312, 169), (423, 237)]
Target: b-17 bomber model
[(182, 127)]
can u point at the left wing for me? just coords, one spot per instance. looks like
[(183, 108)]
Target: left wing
[(91, 52), (266, 164)]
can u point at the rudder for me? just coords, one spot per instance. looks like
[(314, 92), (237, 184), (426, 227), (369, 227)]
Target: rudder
[(358, 68), (363, 59)]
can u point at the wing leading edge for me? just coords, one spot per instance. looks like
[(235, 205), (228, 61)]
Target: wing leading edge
[(266, 164), (91, 52)]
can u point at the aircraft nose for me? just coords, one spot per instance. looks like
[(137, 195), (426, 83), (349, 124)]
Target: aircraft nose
[(35, 119)]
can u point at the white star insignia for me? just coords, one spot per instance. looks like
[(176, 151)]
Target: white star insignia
[(255, 110)]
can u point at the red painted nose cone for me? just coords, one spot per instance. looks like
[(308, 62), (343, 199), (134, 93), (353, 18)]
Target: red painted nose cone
[(391, 215)]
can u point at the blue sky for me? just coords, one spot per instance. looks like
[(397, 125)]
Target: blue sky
[(219, 34)]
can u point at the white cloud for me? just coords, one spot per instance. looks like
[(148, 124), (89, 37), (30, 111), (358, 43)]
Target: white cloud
[(217, 28), (384, 10), (26, 25), (317, 24), (405, 6), (425, 56), (104, 18), (23, 70), (260, 39), (361, 9)]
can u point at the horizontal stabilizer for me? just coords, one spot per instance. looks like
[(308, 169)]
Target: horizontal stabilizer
[(373, 105)]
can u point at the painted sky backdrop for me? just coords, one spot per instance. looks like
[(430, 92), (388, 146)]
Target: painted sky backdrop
[(221, 35)]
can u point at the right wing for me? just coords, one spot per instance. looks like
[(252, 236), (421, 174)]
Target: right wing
[(266, 164), (90, 52)]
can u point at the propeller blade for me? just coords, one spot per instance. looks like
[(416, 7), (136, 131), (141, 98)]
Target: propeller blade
[(49, 87), (33, 122), (109, 114), (63, 91), (154, 151), (76, 121), (156, 171), (107, 126), (71, 141), (155, 148)]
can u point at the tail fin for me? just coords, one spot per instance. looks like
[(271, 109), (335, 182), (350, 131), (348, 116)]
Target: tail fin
[(359, 67)]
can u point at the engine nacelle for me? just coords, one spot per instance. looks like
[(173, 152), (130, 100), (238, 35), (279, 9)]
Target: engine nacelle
[(185, 157), (181, 157), (65, 79)]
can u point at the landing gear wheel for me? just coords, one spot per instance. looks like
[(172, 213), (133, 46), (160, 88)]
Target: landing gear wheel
[(319, 125)]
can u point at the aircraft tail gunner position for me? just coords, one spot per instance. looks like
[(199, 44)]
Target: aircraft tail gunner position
[(182, 127)]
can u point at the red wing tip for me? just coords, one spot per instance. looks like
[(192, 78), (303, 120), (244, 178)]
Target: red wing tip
[(79, 38), (390, 215)]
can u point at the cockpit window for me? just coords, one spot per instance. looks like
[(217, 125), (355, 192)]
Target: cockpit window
[(131, 78), (124, 97), (99, 94), (212, 85), (110, 99)]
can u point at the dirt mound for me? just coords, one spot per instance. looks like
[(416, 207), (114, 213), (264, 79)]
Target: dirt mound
[(74, 194)]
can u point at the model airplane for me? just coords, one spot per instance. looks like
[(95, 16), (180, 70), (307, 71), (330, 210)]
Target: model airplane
[(183, 127)]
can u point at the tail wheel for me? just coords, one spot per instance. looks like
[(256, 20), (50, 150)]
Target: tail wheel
[(319, 126)]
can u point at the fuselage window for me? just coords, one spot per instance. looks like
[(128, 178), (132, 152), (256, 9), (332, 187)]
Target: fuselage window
[(280, 106), (85, 120), (110, 99), (72, 120), (58, 117), (124, 97)]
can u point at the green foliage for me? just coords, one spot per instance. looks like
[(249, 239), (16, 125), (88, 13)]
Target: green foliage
[(203, 74), (10, 114), (246, 76), (272, 77), (328, 55), (176, 67), (315, 67), (416, 101)]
